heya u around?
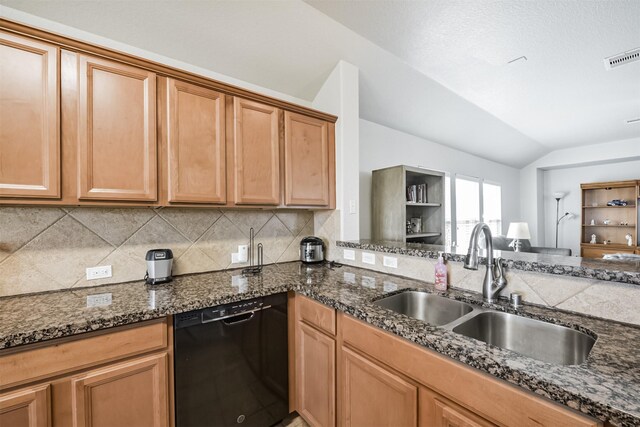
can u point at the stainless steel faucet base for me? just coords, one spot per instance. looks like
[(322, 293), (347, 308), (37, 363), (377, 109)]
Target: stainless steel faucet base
[(494, 280)]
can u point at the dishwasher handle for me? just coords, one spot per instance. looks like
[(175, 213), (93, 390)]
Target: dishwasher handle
[(232, 316)]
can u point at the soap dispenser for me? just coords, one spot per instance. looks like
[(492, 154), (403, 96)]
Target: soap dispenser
[(441, 273)]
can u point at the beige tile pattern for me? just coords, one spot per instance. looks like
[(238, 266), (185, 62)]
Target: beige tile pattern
[(19, 225), (50, 248), (113, 225), (609, 300)]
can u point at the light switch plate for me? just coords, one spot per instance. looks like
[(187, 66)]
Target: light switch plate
[(101, 272), (349, 254), (368, 258), (390, 261)]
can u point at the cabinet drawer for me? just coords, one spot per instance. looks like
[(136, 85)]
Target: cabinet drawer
[(71, 354), (316, 314)]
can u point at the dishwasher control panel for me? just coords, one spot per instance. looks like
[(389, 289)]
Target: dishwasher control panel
[(232, 309)]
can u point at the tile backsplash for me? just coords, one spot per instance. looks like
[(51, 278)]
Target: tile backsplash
[(608, 300), (44, 249)]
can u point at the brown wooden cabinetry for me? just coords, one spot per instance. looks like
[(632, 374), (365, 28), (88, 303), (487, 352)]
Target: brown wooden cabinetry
[(254, 153), (372, 396), (194, 136), (309, 161), (315, 363), (108, 378), (133, 393), (78, 126), (437, 411), (26, 407), (29, 118), (610, 224), (383, 380), (117, 149)]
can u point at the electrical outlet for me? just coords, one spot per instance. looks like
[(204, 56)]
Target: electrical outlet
[(98, 300), (243, 253), (349, 277), (368, 258), (241, 256), (349, 254), (390, 261), (94, 273)]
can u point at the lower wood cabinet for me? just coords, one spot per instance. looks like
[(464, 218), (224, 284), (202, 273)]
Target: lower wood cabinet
[(384, 380), (28, 407), (437, 411), (315, 375), (118, 377), (372, 396), (132, 393)]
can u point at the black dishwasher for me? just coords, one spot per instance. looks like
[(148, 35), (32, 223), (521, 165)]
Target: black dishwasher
[(231, 364)]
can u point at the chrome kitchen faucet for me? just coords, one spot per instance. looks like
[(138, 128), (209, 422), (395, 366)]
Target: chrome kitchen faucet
[(494, 280)]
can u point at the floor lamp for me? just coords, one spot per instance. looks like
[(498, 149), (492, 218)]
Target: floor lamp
[(558, 195)]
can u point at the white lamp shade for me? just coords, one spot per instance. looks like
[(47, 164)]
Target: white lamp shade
[(558, 195), (518, 230)]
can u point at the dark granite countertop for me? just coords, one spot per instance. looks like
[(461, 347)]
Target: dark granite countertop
[(607, 386), (588, 268)]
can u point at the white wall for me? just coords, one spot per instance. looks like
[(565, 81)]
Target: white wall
[(382, 147), (532, 187), (568, 180), (339, 95), (65, 30)]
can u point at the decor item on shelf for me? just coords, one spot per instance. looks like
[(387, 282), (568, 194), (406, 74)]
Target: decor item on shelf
[(629, 239), (594, 239), (606, 221), (559, 195), (593, 222), (518, 231), (617, 202), (416, 225), (412, 193), (606, 242), (422, 193)]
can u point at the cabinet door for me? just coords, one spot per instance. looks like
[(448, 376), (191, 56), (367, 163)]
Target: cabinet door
[(195, 140), (29, 118), (372, 396), (27, 407), (307, 161), (315, 376), (436, 411), (133, 393), (117, 132), (255, 154)]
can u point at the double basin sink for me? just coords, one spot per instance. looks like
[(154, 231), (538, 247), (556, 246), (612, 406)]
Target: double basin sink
[(532, 338)]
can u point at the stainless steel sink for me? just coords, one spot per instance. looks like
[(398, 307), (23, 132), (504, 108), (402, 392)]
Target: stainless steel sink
[(430, 308), (532, 338)]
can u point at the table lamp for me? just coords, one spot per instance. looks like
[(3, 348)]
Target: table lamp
[(517, 231)]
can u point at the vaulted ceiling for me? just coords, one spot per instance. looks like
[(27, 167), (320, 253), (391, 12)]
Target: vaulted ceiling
[(437, 69)]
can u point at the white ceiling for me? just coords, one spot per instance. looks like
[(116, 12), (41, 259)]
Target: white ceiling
[(560, 96), (512, 114)]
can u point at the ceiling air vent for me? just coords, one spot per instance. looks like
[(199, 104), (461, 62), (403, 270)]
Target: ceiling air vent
[(621, 59)]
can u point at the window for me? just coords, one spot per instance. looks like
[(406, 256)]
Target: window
[(467, 195), (492, 207), (472, 199)]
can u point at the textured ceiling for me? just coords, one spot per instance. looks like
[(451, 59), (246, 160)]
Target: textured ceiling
[(560, 96), (433, 69)]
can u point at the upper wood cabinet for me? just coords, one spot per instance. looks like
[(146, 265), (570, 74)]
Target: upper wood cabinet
[(117, 149), (29, 118), (26, 407), (309, 161), (254, 153), (195, 136)]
